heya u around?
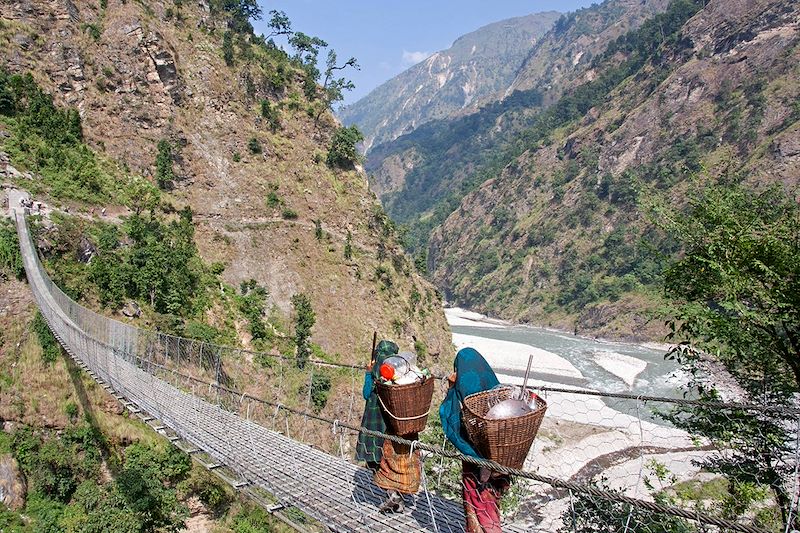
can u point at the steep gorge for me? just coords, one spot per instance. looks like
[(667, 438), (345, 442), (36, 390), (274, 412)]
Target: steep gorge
[(535, 207)]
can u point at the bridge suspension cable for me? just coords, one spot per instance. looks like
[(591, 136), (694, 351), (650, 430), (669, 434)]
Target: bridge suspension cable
[(342, 495)]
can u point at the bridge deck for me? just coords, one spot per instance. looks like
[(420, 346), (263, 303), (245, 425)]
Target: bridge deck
[(339, 494)]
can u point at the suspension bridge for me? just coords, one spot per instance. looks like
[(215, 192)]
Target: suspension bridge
[(145, 371)]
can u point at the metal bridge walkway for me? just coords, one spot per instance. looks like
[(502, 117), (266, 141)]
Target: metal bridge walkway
[(338, 494)]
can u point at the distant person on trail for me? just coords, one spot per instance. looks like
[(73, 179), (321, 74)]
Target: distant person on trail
[(482, 488)]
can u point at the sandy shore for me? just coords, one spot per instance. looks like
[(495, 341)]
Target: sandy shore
[(624, 367), (506, 355), (461, 317)]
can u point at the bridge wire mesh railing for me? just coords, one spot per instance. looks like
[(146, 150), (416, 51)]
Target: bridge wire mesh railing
[(587, 436)]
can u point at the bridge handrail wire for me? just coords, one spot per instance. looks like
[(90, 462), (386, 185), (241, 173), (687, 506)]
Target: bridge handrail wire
[(120, 339), (452, 454), (217, 348)]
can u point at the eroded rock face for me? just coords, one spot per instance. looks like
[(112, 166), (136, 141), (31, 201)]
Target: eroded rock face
[(163, 65), (132, 310), (85, 250), (12, 484), (138, 76)]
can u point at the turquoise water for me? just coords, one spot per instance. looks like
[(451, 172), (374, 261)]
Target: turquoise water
[(659, 377)]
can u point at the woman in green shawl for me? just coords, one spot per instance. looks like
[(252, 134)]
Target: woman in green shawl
[(369, 448)]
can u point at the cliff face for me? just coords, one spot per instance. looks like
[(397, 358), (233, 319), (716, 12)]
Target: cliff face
[(142, 72), (559, 236), (477, 68), (563, 56)]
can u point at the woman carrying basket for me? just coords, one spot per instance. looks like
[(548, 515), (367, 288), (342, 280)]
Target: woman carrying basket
[(396, 469), (482, 488), (370, 448)]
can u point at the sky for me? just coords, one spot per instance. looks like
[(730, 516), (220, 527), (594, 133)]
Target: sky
[(388, 36)]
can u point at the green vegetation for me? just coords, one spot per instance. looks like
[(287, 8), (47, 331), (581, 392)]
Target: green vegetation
[(320, 389), (50, 347), (343, 152), (227, 48), (252, 303), (271, 114), (66, 490), (165, 174), (238, 14), (210, 489), (332, 87), (288, 213), (150, 259), (303, 322), (589, 514), (49, 141), (254, 146), (737, 296), (252, 519), (348, 246), (10, 257), (161, 267)]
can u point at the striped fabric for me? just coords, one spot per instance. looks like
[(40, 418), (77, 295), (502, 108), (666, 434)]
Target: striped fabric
[(399, 470)]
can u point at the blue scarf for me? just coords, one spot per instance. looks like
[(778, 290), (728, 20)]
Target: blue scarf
[(473, 375)]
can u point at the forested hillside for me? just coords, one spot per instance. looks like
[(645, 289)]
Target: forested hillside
[(537, 210), (193, 181)]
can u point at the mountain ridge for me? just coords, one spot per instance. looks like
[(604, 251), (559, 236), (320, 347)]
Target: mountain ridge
[(478, 66)]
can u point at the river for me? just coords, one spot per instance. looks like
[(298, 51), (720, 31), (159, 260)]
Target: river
[(596, 364)]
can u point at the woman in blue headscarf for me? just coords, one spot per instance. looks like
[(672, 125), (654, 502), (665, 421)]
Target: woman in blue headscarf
[(482, 488)]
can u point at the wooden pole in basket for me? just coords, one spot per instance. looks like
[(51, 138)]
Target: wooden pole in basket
[(527, 373), (374, 342)]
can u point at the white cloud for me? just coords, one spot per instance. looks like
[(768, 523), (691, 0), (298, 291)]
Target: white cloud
[(412, 58)]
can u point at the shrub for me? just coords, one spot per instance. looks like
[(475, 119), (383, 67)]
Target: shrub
[(320, 390), (164, 171), (348, 246), (342, 152), (10, 257), (271, 115), (49, 344), (227, 48), (289, 214), (209, 489), (254, 146), (273, 200), (71, 410), (304, 321)]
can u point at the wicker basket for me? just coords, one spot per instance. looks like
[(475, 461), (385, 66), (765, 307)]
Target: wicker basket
[(406, 407), (506, 441)]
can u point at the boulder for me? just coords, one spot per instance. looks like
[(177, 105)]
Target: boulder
[(86, 250), (132, 310), (12, 484)]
